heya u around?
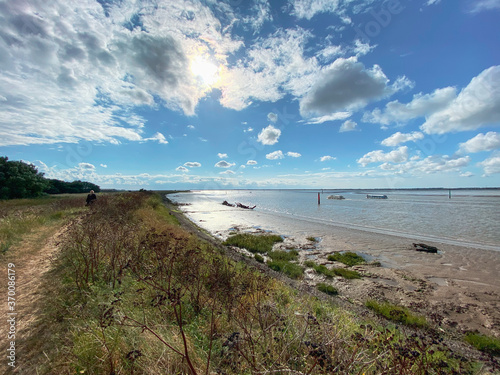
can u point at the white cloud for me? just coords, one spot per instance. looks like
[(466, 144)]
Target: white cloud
[(332, 117), (181, 169), (347, 85), (466, 174), (251, 162), (491, 165), (432, 2), (224, 164), (477, 105), (348, 126), (309, 8), (222, 156), (293, 154), (103, 165), (269, 135), (228, 172), (86, 166), (421, 105), (275, 155), (192, 127), (273, 117), (327, 158), (437, 163), (484, 5), (398, 138), (158, 137), (399, 155), (250, 129), (481, 142), (192, 164)]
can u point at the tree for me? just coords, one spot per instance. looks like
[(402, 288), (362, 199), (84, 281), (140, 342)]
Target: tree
[(20, 180)]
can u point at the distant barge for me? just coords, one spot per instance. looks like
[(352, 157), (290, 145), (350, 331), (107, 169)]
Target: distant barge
[(335, 197), (376, 196)]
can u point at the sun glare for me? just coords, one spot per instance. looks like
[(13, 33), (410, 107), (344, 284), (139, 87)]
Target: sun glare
[(204, 70)]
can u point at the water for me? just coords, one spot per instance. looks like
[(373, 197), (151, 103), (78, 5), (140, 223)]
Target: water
[(470, 217)]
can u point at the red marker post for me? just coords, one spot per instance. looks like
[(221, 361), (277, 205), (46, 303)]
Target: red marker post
[(319, 202)]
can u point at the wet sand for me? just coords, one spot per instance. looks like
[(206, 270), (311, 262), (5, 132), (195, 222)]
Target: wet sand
[(458, 288)]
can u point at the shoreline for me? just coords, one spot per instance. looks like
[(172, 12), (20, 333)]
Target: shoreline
[(457, 289)]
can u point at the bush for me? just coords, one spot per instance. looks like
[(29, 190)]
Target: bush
[(328, 289), (259, 258), (253, 243), (484, 343), (346, 274), (348, 258), (292, 270), (397, 313)]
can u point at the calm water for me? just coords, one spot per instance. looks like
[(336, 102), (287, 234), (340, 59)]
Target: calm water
[(470, 216)]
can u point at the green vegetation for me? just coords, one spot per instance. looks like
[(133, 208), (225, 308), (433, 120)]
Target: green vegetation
[(255, 244), (22, 180), (328, 289), (133, 293), (484, 343), (259, 258), (312, 239), (292, 270), (288, 256), (397, 313), (324, 270), (348, 258)]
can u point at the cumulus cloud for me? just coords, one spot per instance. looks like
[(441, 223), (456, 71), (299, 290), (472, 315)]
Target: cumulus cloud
[(192, 164), (481, 142), (228, 172), (160, 138), (421, 105), (348, 126), (491, 165), (86, 166), (103, 165), (398, 138), (477, 105), (269, 135), (347, 85), (224, 164), (181, 169), (326, 158), (275, 155), (399, 155), (222, 156), (293, 154), (251, 162)]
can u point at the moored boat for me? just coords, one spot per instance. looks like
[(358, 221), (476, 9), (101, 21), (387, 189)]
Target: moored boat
[(376, 196), (335, 197)]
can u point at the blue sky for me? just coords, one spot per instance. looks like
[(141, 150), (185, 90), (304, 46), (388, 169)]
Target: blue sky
[(253, 94)]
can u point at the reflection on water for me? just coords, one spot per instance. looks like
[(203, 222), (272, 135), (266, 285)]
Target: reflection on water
[(470, 215)]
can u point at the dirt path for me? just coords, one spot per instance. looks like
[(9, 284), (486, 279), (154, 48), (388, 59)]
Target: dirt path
[(32, 259)]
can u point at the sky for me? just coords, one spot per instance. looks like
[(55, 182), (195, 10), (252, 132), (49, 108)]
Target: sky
[(164, 94)]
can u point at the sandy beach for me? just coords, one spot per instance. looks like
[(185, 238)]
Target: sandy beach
[(458, 288)]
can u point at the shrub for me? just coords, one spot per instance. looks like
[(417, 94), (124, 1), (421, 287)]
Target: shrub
[(484, 343), (348, 258), (259, 258), (253, 243), (397, 313), (328, 289), (292, 270)]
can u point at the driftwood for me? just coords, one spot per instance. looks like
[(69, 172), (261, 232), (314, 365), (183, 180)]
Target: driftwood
[(426, 248)]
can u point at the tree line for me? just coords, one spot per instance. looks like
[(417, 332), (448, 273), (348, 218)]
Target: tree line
[(22, 180)]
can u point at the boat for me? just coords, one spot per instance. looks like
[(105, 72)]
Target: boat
[(376, 196), (335, 197)]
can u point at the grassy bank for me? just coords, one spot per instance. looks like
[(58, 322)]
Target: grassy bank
[(134, 293)]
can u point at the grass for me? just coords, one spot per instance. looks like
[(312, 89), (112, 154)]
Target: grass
[(348, 258), (328, 289), (324, 270), (484, 343), (255, 244), (397, 313), (292, 270), (288, 256)]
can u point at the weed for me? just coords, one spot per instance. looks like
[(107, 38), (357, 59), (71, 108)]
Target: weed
[(292, 270), (346, 274), (288, 256), (259, 258)]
